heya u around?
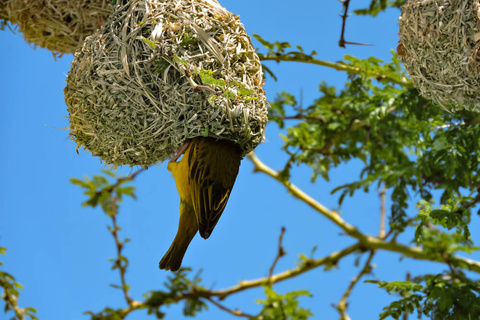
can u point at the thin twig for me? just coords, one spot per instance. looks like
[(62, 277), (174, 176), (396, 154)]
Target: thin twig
[(405, 314), (11, 301), (345, 4), (337, 66), (342, 42), (280, 253), (343, 304), (121, 261), (235, 312), (383, 211), (306, 266)]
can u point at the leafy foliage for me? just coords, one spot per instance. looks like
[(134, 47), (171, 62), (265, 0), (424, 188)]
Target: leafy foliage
[(283, 306), (402, 139), (450, 296), (179, 288), (101, 192), (377, 6), (11, 293)]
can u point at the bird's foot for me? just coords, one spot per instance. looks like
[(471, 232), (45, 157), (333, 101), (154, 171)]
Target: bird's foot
[(181, 151)]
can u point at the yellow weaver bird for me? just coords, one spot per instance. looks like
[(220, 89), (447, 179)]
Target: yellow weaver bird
[(204, 177)]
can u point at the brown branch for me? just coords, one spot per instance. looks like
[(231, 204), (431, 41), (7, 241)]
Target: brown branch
[(345, 4), (280, 253), (121, 262), (343, 304), (342, 42)]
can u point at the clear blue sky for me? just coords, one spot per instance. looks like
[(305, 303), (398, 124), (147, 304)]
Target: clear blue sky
[(59, 251)]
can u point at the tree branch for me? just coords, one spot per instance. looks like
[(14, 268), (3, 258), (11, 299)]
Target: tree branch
[(383, 211), (280, 253), (345, 4), (307, 265), (343, 304), (342, 42), (366, 241), (337, 66), (235, 312), (121, 262), (299, 194)]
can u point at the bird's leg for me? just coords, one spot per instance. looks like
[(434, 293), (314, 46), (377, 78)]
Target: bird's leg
[(181, 151)]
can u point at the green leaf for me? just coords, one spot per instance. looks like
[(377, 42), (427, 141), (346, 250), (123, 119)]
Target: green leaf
[(149, 42)]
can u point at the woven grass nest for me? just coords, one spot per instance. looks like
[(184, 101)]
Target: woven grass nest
[(58, 25), (439, 47), (160, 72), (3, 11)]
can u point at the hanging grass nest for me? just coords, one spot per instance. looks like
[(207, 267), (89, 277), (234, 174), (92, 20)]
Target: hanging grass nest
[(3, 12), (58, 25), (160, 72), (439, 47)]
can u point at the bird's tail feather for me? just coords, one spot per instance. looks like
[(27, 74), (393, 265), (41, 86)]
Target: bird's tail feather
[(187, 229)]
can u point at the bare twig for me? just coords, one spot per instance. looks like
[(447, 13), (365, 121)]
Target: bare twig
[(383, 210), (343, 304), (280, 253), (337, 66), (405, 314), (345, 4), (235, 312), (342, 42), (120, 262)]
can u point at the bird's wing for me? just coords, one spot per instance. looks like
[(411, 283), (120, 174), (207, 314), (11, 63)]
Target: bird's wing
[(213, 169)]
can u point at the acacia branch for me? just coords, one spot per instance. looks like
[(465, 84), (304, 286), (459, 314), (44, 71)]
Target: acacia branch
[(383, 211), (235, 312), (337, 66), (343, 304), (345, 4), (11, 302), (120, 262), (307, 265), (368, 242), (280, 253), (342, 42), (301, 195)]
